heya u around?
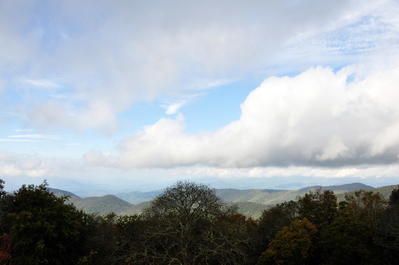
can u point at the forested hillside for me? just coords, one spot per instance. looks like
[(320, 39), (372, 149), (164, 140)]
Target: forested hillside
[(250, 202), (189, 224)]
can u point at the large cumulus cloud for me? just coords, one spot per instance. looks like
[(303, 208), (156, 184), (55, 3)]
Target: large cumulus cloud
[(319, 117)]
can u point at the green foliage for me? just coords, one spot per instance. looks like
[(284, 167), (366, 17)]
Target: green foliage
[(348, 241), (385, 191), (272, 197), (251, 209), (2, 192), (387, 233), (190, 224), (102, 205), (274, 219), (319, 207), (42, 228), (101, 240), (394, 197)]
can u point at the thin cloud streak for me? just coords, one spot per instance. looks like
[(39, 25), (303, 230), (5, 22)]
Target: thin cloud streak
[(38, 136), (21, 140), (43, 83)]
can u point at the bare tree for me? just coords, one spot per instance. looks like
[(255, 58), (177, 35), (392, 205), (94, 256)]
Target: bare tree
[(189, 224)]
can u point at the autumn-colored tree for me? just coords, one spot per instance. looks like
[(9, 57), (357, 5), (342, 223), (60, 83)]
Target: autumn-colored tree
[(292, 245), (5, 249)]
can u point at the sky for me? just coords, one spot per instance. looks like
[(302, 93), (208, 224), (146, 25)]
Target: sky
[(126, 93)]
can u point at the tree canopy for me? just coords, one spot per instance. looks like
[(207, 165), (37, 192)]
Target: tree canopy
[(41, 227), (189, 224)]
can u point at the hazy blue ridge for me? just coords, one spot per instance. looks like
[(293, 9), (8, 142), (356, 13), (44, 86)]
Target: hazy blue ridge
[(250, 202)]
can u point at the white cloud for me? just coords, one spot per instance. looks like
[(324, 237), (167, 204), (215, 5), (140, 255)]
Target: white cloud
[(27, 165), (315, 118), (34, 165), (37, 136), (203, 84), (56, 114), (120, 52), (101, 56), (42, 83), (296, 172), (19, 140), (173, 106), (23, 130), (172, 109)]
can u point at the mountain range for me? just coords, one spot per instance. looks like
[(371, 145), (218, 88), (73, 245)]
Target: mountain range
[(250, 202)]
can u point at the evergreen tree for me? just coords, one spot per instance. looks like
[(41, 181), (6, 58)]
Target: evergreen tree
[(42, 228)]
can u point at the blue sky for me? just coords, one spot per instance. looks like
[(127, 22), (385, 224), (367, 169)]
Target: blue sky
[(156, 91)]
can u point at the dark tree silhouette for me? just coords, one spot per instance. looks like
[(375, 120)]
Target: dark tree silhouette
[(189, 224), (43, 229)]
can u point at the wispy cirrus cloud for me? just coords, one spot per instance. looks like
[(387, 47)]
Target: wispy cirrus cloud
[(173, 106), (20, 140), (42, 83), (156, 50), (37, 136), (23, 130)]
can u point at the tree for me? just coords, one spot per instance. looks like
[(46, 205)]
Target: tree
[(292, 245), (348, 241), (2, 192), (5, 249), (318, 206), (5, 240), (189, 224), (394, 197), (273, 220), (100, 243), (387, 232), (364, 206), (43, 229), (3, 206)]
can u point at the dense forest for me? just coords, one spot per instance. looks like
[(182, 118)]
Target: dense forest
[(189, 224)]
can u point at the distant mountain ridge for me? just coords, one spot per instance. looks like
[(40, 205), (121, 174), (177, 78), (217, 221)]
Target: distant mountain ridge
[(250, 202), (136, 197), (60, 193), (271, 196)]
